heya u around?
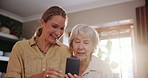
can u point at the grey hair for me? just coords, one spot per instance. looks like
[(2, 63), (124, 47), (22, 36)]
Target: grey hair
[(89, 33)]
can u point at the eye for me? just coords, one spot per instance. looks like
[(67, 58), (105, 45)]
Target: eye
[(62, 28), (54, 26), (77, 41), (86, 42)]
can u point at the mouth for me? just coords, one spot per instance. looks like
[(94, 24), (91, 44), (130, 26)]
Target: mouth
[(54, 36), (80, 53)]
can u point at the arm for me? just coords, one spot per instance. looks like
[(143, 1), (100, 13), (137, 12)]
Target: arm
[(49, 73), (15, 64)]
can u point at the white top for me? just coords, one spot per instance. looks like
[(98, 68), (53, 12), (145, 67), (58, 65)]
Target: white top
[(97, 69)]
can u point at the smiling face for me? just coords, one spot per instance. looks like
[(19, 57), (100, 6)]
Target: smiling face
[(82, 47), (53, 29)]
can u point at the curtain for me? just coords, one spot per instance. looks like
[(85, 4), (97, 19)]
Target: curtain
[(142, 25), (141, 48)]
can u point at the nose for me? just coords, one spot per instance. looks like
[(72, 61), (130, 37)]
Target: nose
[(81, 46), (58, 32)]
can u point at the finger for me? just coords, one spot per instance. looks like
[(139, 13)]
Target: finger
[(52, 76), (76, 76), (47, 76), (70, 75), (56, 70), (45, 73), (66, 76), (51, 73), (55, 73)]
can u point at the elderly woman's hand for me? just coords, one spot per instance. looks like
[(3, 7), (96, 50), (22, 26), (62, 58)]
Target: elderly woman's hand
[(72, 76)]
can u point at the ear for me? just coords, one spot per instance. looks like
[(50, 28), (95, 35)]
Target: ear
[(42, 22)]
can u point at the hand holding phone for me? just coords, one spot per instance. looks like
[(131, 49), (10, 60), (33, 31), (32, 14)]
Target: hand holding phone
[(72, 66)]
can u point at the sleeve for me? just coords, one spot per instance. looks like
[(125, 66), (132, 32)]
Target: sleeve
[(15, 63), (65, 54)]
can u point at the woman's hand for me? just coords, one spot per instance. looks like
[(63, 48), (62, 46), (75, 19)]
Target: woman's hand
[(52, 73), (72, 76), (49, 73)]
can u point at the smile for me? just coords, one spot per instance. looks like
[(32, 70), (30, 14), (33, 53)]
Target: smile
[(54, 36), (80, 53)]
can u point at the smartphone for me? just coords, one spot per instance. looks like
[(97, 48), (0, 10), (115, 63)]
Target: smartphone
[(72, 66)]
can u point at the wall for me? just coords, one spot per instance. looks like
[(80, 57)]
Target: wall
[(104, 15), (94, 16), (29, 28)]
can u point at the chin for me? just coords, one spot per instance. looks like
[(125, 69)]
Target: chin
[(80, 57)]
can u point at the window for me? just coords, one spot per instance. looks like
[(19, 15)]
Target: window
[(116, 48), (120, 56)]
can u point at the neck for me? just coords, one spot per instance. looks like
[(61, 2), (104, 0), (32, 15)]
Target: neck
[(83, 65), (43, 45)]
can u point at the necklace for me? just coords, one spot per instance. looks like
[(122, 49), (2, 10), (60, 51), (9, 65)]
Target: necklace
[(37, 43)]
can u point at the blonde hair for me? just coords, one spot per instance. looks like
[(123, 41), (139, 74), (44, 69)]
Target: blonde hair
[(38, 32), (85, 31), (52, 11)]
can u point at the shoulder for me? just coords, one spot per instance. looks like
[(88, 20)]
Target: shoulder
[(100, 63), (17, 49), (61, 45), (98, 60), (63, 49), (102, 66), (19, 43)]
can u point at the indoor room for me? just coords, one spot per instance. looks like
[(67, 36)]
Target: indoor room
[(122, 26)]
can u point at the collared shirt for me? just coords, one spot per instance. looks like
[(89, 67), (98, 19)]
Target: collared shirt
[(26, 59), (97, 69)]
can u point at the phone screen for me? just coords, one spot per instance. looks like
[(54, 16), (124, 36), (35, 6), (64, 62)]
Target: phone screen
[(72, 66)]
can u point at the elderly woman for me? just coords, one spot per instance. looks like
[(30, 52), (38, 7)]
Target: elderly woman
[(83, 43)]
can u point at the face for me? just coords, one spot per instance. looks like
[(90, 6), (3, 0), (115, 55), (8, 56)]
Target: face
[(82, 47), (53, 29)]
